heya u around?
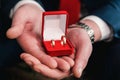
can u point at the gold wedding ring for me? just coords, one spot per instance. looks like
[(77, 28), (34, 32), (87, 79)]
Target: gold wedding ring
[(52, 43), (63, 40)]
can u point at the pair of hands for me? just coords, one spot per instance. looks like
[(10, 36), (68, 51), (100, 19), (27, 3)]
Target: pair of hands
[(25, 28)]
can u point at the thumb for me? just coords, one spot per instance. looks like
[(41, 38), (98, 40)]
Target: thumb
[(15, 31), (18, 24), (17, 27), (81, 59)]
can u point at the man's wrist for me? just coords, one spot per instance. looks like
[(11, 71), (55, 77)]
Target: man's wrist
[(95, 28), (88, 29), (105, 30)]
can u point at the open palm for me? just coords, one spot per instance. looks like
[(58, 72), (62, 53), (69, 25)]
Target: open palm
[(26, 27)]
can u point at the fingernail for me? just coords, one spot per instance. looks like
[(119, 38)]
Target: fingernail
[(80, 72)]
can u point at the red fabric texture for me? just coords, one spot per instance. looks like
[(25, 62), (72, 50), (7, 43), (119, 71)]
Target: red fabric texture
[(73, 9)]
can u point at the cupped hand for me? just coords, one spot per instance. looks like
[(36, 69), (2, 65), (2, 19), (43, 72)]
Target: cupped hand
[(26, 28), (32, 44), (83, 49), (26, 24), (39, 67)]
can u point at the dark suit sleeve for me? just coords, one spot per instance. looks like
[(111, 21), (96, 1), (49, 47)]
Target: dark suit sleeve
[(110, 13), (6, 5), (9, 49), (49, 5)]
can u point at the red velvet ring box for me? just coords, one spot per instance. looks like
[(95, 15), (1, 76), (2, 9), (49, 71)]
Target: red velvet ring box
[(54, 27)]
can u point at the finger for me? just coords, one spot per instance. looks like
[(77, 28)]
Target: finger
[(29, 59), (47, 60), (81, 59), (41, 68), (62, 64), (69, 60), (72, 55), (52, 73)]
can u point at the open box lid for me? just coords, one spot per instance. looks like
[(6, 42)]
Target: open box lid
[(54, 25)]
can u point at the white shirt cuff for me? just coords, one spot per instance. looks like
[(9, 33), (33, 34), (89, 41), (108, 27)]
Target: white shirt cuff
[(23, 2), (104, 28)]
